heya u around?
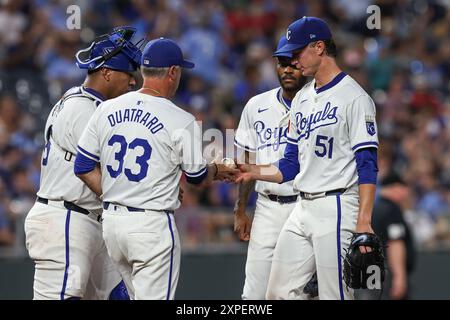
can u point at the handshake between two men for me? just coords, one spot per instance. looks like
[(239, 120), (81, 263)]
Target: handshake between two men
[(230, 170)]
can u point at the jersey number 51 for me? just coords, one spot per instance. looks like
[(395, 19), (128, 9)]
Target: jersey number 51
[(325, 146)]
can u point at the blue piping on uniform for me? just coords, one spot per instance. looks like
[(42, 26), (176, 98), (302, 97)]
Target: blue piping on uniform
[(171, 256), (338, 240), (63, 290)]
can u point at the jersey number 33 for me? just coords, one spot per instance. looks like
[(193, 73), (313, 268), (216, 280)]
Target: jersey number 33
[(141, 160)]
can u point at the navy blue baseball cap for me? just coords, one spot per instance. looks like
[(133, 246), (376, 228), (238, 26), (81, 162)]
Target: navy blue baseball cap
[(281, 43), (304, 31), (162, 53)]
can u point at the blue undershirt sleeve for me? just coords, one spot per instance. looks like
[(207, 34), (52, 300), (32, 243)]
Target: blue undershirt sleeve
[(289, 165), (366, 165), (83, 164)]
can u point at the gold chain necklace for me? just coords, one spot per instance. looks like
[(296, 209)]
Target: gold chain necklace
[(155, 91)]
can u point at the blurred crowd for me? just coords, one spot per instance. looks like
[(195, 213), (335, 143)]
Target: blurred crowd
[(404, 65)]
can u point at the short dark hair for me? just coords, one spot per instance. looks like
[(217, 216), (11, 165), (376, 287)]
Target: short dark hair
[(93, 71), (330, 48)]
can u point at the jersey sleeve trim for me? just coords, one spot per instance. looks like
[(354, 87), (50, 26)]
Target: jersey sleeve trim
[(242, 146), (88, 154), (83, 164), (292, 141), (195, 174), (198, 178), (365, 145)]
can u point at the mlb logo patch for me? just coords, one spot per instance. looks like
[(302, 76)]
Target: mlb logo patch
[(370, 126)]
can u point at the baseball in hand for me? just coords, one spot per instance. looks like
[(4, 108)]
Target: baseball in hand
[(228, 162)]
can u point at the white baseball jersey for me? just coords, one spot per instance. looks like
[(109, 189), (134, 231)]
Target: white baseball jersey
[(143, 143), (63, 129), (67, 246), (329, 126), (263, 130)]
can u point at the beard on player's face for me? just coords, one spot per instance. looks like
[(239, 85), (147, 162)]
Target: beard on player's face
[(292, 86)]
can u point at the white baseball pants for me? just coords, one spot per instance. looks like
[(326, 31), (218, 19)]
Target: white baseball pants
[(314, 237), (145, 247), (268, 221), (69, 253)]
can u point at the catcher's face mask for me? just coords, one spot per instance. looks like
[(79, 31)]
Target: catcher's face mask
[(114, 51)]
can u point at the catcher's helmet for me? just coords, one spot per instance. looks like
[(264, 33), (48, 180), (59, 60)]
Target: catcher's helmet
[(114, 51)]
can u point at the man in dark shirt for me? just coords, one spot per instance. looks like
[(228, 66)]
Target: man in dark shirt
[(389, 224)]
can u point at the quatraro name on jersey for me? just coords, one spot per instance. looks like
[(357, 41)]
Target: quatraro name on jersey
[(137, 116)]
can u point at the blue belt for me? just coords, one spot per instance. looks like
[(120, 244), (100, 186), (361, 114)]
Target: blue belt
[(282, 199), (131, 209), (309, 196)]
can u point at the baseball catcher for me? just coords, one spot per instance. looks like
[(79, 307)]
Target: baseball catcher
[(364, 270), (63, 229)]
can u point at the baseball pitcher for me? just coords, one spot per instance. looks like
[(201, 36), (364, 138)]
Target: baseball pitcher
[(332, 157)]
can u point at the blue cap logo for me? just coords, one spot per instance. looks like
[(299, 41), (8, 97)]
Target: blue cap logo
[(304, 31)]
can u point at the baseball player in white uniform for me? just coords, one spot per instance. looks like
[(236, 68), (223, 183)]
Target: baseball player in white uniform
[(331, 155), (63, 229), (262, 136), (143, 142)]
